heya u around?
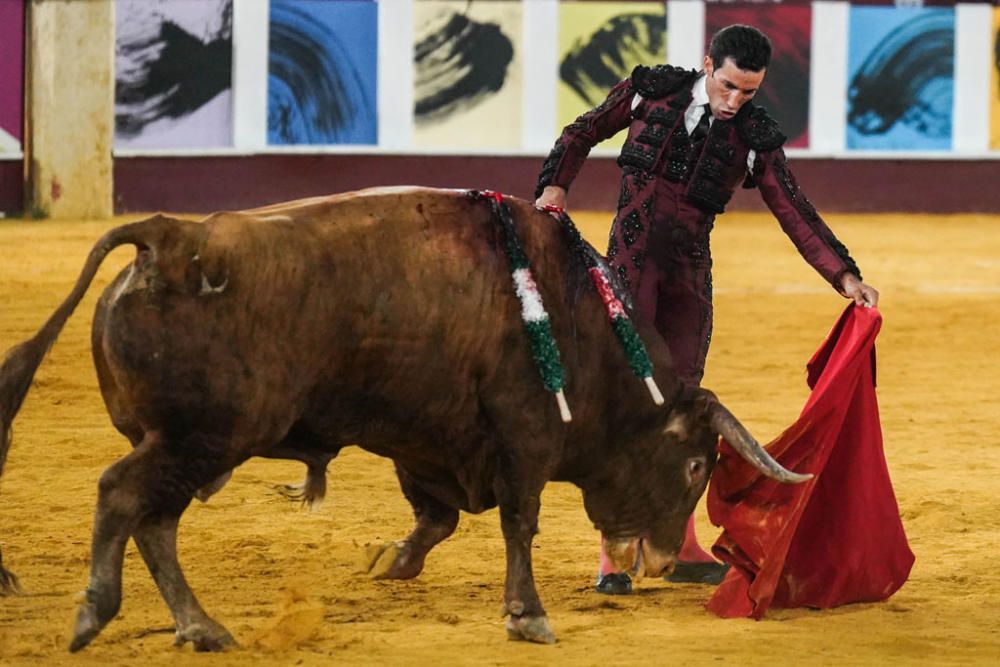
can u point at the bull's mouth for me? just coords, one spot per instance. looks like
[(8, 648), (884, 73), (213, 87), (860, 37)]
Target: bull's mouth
[(639, 558)]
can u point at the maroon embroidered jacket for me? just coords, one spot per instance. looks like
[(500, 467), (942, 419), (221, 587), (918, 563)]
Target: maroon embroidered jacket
[(669, 182)]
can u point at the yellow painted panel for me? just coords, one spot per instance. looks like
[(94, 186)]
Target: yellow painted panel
[(995, 82), (487, 119), (580, 23)]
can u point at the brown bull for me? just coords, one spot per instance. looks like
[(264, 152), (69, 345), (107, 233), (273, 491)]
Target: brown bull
[(386, 319)]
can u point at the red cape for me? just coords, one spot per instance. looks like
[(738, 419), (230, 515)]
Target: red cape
[(832, 540)]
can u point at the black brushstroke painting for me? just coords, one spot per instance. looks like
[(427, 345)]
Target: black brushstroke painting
[(908, 78), (996, 56), (458, 63), (592, 67), (170, 73)]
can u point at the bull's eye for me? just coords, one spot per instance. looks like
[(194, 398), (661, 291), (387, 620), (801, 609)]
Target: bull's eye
[(695, 470)]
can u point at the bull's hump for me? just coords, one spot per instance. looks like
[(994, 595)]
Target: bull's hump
[(303, 208), (403, 196), (396, 190)]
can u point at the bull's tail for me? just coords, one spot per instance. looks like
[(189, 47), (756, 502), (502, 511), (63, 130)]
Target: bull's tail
[(21, 361)]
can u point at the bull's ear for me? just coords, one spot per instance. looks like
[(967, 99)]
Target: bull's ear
[(693, 409)]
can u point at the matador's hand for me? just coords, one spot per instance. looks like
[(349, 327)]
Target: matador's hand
[(552, 195), (863, 295)]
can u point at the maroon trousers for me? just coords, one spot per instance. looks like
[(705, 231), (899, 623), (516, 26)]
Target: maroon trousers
[(663, 256), (671, 283)]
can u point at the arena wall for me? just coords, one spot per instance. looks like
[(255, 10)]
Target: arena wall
[(218, 105)]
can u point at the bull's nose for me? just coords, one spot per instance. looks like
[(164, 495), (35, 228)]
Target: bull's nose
[(623, 554)]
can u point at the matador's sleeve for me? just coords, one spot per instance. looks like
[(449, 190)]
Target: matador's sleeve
[(798, 217), (574, 144)]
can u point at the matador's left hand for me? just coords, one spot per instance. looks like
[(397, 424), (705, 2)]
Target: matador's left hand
[(863, 295)]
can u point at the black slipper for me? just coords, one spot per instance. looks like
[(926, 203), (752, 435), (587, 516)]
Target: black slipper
[(614, 584), (688, 572)]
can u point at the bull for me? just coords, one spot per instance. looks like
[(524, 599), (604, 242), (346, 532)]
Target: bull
[(386, 319)]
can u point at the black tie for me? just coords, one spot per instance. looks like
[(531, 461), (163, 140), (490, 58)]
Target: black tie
[(700, 130)]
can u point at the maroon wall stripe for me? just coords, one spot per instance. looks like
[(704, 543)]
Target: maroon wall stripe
[(202, 184), (11, 186), (213, 183)]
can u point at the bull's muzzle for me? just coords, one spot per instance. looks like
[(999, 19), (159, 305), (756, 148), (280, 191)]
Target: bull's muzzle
[(639, 558)]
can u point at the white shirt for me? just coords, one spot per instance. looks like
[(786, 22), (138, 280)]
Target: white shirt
[(699, 98)]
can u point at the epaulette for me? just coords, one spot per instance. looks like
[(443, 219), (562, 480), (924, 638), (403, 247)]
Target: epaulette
[(654, 83), (759, 130)]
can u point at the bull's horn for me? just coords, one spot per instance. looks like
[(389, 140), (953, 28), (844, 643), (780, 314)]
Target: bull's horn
[(726, 425)]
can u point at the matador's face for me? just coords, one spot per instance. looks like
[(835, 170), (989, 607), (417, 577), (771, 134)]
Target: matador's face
[(730, 87)]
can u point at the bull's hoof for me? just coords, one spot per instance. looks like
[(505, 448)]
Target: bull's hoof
[(207, 636), (8, 582), (89, 622), (392, 560), (530, 628), (292, 491), (310, 492)]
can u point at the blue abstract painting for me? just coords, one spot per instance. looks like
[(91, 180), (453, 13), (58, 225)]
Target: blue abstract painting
[(901, 72), (322, 72)]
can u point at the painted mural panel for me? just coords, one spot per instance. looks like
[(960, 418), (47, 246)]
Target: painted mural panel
[(599, 45), (901, 65), (173, 73), (467, 74), (995, 82), (785, 92), (11, 75), (913, 3), (322, 72)]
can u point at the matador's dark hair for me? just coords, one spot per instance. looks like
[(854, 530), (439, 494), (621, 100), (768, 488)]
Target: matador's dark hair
[(749, 48)]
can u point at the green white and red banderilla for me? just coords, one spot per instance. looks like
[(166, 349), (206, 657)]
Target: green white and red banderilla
[(631, 344), (536, 320)]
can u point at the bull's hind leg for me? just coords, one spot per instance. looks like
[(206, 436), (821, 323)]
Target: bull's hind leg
[(312, 490), (151, 485), (156, 538), (303, 443), (435, 523)]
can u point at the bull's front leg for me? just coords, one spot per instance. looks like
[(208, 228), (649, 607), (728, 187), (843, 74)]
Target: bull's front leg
[(518, 497), (156, 538)]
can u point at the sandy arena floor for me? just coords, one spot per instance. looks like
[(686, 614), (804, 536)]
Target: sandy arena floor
[(284, 580)]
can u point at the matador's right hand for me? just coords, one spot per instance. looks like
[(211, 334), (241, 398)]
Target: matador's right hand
[(553, 196), (862, 293)]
